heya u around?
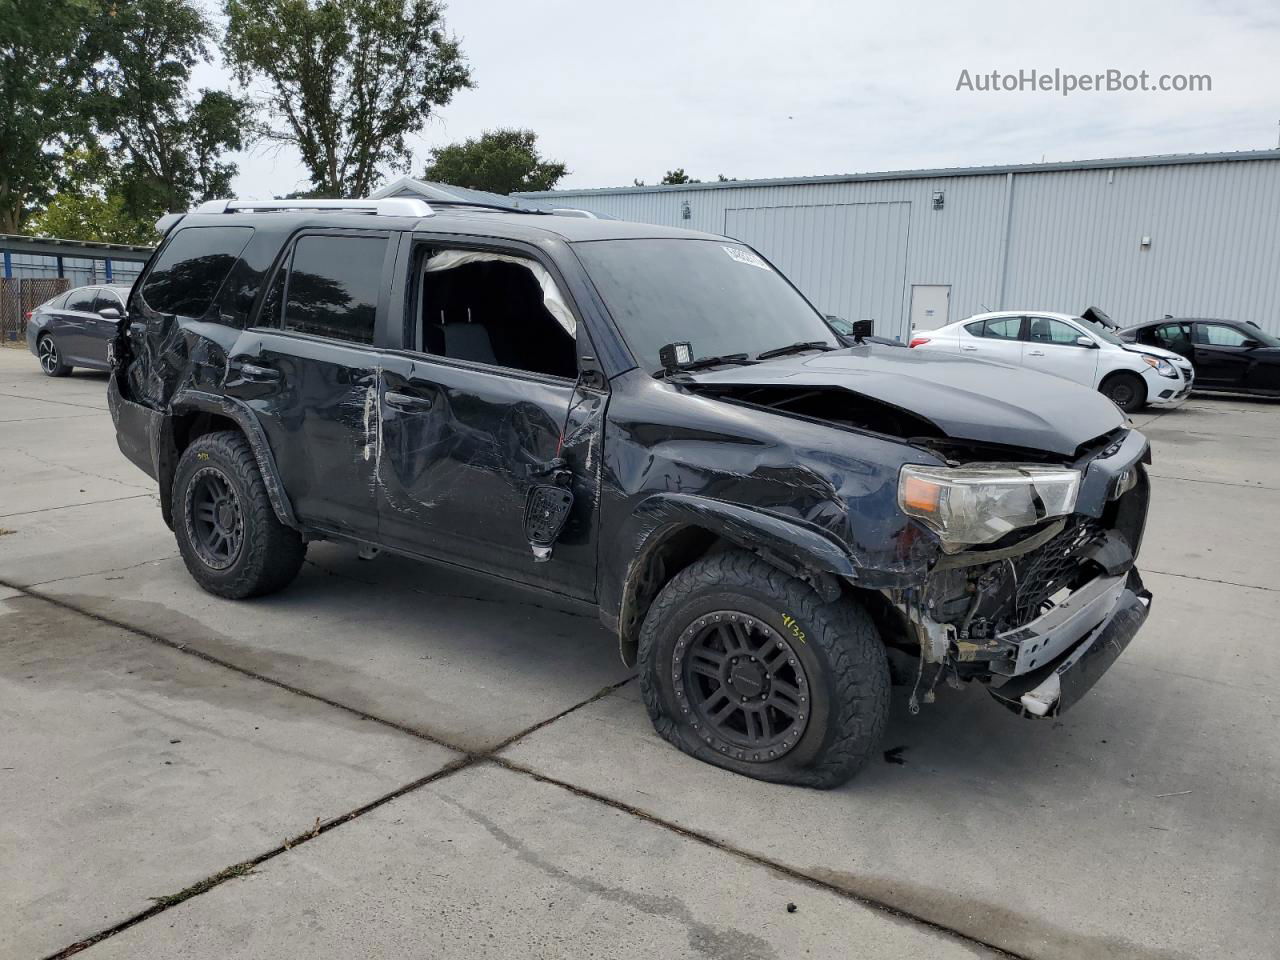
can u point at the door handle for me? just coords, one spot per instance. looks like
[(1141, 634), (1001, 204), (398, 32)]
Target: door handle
[(256, 373), (968, 349), (1035, 353), (405, 401)]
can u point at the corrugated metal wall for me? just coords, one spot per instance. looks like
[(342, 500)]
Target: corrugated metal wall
[(1074, 238), (80, 272)]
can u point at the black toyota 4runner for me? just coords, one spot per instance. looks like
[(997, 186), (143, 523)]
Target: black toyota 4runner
[(651, 421)]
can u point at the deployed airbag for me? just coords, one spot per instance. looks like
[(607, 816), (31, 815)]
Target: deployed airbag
[(551, 296)]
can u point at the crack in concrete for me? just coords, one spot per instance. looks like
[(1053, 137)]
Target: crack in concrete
[(102, 573), (706, 940), (1220, 483), (68, 506), (65, 403), (759, 860), (163, 903), (1229, 583), (66, 416), (77, 470)]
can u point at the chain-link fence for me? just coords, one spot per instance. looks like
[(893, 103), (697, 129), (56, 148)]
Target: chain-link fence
[(18, 296)]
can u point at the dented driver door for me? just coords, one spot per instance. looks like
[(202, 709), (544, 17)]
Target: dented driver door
[(462, 446)]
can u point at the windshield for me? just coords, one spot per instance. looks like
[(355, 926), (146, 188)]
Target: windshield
[(1099, 331), (1264, 338), (718, 295)]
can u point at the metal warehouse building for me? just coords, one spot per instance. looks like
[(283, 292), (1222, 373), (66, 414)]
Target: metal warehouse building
[(1140, 237)]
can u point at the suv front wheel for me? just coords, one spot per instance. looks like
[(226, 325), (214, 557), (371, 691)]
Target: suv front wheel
[(228, 533), (747, 668)]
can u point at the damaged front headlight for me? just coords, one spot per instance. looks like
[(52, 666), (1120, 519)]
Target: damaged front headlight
[(981, 502)]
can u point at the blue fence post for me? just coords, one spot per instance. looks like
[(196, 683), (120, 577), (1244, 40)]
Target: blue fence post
[(107, 268), (8, 265), (60, 273)]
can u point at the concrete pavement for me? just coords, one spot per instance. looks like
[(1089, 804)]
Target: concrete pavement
[(1142, 824)]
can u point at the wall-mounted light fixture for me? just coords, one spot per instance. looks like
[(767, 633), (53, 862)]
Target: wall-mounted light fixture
[(685, 212), (939, 199), (1145, 243)]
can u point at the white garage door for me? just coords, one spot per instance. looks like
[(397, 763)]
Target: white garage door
[(849, 259)]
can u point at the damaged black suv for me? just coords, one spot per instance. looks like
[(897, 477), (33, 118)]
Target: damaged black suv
[(651, 421)]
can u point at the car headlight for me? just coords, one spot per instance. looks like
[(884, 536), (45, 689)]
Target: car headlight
[(1163, 367), (981, 502)]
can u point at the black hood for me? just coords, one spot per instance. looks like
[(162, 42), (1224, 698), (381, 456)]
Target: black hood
[(966, 399)]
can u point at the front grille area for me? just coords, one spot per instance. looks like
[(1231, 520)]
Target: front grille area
[(1047, 569)]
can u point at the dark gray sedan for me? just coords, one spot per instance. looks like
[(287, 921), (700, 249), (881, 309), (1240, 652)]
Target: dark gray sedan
[(74, 328)]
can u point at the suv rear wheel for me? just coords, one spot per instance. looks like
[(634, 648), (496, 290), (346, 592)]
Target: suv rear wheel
[(747, 668), (228, 533)]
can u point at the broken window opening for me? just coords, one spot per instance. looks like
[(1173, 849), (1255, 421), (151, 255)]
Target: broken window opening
[(496, 309)]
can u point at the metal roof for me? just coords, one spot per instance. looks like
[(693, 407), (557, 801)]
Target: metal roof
[(1161, 160), (53, 247)]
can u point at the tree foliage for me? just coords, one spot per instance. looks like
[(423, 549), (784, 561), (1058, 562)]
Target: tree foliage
[(94, 99), (346, 81), (500, 161), (46, 52), (170, 144), (678, 176), (91, 216)]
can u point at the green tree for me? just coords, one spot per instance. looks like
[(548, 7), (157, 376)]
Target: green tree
[(500, 161), (46, 52), (347, 81), (678, 176), (90, 216), (170, 145)]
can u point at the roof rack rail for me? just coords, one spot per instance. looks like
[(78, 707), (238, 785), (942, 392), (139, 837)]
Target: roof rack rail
[(389, 207)]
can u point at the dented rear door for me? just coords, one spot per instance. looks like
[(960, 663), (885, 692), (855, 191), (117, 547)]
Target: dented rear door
[(311, 373)]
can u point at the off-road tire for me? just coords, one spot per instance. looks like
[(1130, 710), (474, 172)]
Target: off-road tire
[(269, 555), (47, 348), (840, 649), (1126, 390)]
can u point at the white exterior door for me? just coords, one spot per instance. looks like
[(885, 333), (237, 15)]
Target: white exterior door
[(930, 305), (1052, 347), (993, 339)]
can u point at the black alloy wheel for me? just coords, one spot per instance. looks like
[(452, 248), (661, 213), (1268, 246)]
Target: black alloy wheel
[(745, 685), (215, 518)]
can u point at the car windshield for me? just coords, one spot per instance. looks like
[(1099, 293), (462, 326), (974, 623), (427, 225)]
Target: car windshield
[(1254, 333), (719, 296), (1105, 334)]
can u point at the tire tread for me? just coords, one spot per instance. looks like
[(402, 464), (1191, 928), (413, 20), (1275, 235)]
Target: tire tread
[(274, 552), (842, 628)]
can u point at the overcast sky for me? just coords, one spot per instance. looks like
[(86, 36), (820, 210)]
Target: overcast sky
[(620, 91)]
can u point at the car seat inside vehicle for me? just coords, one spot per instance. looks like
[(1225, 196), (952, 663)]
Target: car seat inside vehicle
[(496, 309)]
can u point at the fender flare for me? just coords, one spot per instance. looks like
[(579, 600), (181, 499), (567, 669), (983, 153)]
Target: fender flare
[(198, 401), (797, 548)]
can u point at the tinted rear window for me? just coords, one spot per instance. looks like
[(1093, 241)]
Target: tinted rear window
[(190, 270), (81, 299), (332, 287)]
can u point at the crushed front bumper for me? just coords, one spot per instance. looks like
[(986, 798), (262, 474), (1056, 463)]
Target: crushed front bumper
[(1083, 641)]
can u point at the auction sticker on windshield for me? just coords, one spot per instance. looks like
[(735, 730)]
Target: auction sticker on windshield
[(746, 256)]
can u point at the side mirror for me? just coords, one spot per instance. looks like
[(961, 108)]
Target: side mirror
[(1086, 342), (1251, 344), (110, 313)]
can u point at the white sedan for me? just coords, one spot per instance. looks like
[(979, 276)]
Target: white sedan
[(1071, 347)]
